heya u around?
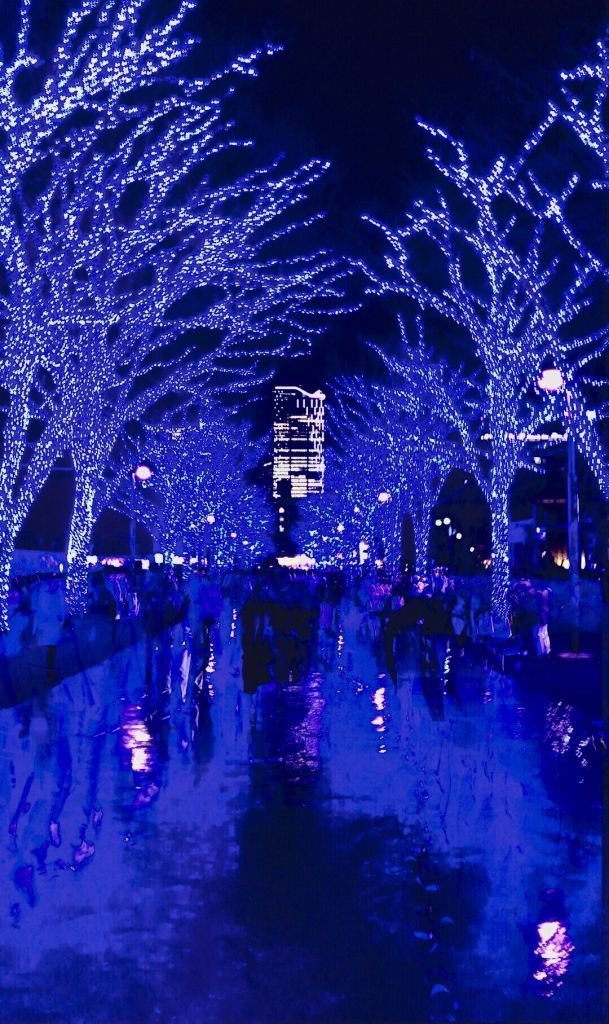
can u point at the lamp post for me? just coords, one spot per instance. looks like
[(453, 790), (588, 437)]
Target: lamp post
[(383, 500), (210, 520), (141, 474), (552, 382)]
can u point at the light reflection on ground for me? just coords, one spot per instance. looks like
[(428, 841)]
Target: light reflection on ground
[(202, 855), (553, 951)]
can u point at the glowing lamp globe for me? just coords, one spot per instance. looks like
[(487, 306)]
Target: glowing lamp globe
[(551, 380), (211, 518), (384, 497), (142, 473)]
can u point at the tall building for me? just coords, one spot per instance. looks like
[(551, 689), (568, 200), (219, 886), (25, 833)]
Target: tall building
[(298, 441)]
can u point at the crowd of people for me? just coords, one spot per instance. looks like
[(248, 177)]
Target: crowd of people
[(281, 614), (530, 615)]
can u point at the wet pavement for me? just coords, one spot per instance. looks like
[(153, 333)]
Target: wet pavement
[(336, 852)]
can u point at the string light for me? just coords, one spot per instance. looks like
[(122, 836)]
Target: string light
[(497, 284), (406, 436), (391, 457), (588, 120), (129, 275), (200, 501)]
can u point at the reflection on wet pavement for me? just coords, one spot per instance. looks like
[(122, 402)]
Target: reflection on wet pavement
[(177, 850)]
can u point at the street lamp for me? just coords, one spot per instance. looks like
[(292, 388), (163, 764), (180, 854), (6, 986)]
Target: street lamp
[(383, 499), (552, 382), (210, 520), (139, 475), (143, 472)]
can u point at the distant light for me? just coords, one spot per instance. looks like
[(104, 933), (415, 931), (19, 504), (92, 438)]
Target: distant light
[(472, 549), (233, 536), (280, 509), (356, 510), (296, 562), (158, 558), (547, 929), (91, 559), (143, 472), (384, 497), (61, 566), (551, 380), (340, 528), (446, 521), (145, 563), (211, 518), (177, 560), (193, 559), (438, 522), (459, 536)]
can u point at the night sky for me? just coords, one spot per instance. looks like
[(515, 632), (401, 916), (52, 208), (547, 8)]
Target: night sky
[(350, 82), (347, 87)]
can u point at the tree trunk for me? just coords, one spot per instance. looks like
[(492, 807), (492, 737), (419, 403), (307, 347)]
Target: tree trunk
[(500, 554), (393, 552), (7, 547), (79, 544), (420, 526)]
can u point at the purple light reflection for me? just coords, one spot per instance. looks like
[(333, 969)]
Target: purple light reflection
[(553, 955), (379, 699), (136, 738), (559, 726)]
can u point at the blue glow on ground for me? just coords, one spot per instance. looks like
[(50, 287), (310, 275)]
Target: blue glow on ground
[(336, 852)]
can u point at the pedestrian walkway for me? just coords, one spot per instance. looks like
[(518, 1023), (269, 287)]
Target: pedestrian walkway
[(333, 851)]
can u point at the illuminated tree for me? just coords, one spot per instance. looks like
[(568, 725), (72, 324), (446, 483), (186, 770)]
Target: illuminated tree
[(393, 452), (411, 436), (332, 525), (97, 61), (128, 272), (495, 259), (198, 498), (585, 94)]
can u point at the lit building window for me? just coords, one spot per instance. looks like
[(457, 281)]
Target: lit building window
[(298, 441)]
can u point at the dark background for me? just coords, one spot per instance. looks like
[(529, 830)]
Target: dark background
[(352, 79), (347, 87)]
